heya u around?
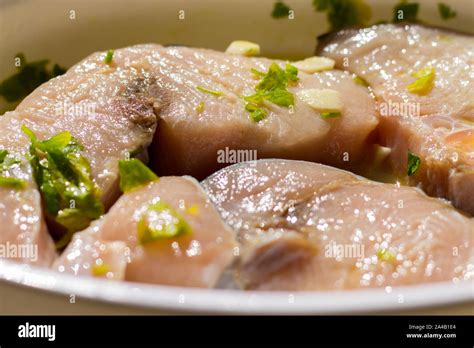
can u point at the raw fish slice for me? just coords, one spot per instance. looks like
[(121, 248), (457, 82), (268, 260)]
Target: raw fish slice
[(196, 259), (305, 226), (436, 125)]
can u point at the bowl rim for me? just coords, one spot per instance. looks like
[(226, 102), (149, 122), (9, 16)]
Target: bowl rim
[(225, 301)]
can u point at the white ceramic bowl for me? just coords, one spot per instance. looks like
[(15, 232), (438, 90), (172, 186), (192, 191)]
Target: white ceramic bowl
[(44, 29)]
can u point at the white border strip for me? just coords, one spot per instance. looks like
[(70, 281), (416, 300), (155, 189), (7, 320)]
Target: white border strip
[(217, 301)]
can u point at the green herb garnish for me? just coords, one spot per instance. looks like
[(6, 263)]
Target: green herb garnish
[(160, 221), (414, 163), (425, 81), (256, 113), (28, 77), (291, 73), (7, 160), (385, 255), (257, 73), (344, 13), (209, 91), (445, 11), (109, 56), (280, 10), (100, 270), (64, 178), (200, 107), (330, 114), (133, 174), (360, 81), (7, 181), (7, 163), (272, 88), (405, 12)]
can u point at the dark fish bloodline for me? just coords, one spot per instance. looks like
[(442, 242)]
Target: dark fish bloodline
[(187, 140), (138, 101), (149, 88), (378, 226), (142, 100)]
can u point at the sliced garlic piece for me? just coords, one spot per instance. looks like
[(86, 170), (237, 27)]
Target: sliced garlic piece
[(324, 100), (243, 48), (315, 64), (380, 154)]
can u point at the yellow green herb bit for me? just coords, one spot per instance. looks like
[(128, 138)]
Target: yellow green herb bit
[(133, 174), (100, 270), (64, 178), (200, 107), (385, 255), (109, 57), (209, 91), (7, 163), (424, 83), (160, 221), (414, 163)]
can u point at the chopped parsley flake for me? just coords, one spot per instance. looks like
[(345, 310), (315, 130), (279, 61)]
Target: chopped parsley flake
[(330, 114), (405, 12), (209, 91), (100, 270), (344, 13), (133, 174), (291, 73), (360, 81), (160, 221), (280, 10), (256, 113), (64, 178), (200, 107), (257, 73), (8, 181), (445, 11), (424, 83), (7, 163), (414, 163), (109, 56), (385, 255), (28, 77), (193, 210), (272, 88)]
